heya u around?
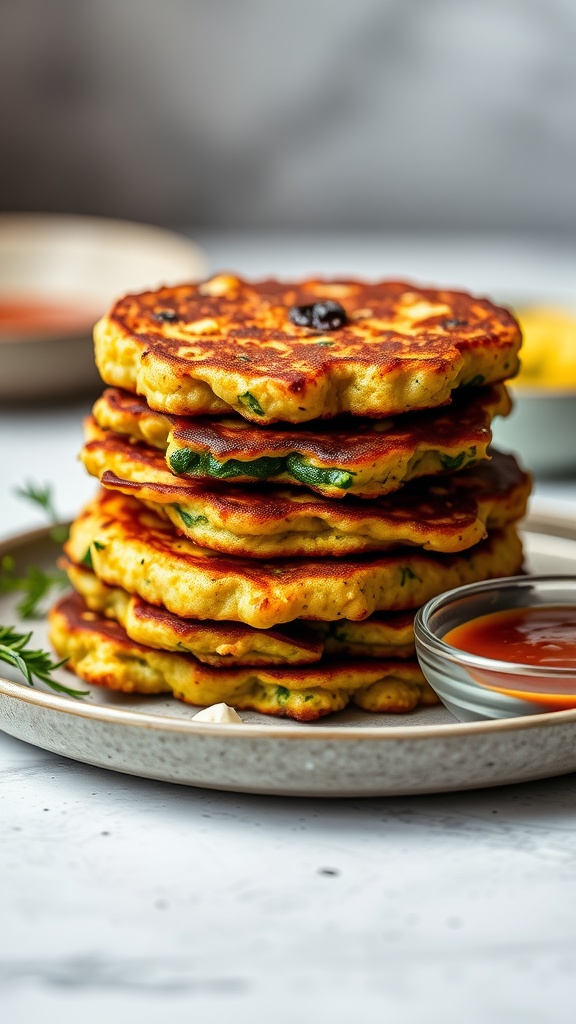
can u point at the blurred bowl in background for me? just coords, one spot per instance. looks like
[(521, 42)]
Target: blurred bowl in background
[(542, 426), (541, 429), (58, 275)]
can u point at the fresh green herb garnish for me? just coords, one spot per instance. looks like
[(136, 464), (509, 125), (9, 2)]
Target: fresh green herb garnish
[(35, 585), (41, 495), (31, 663)]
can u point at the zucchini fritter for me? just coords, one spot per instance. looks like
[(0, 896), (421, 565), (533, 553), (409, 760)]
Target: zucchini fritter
[(131, 547), (227, 344), (447, 514), (101, 653), (360, 457), (384, 635)]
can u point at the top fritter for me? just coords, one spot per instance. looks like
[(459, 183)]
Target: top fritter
[(296, 352)]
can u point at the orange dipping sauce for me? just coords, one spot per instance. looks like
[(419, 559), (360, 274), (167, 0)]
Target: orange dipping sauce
[(32, 317), (543, 636)]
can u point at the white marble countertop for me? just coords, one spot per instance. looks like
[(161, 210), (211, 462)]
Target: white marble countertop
[(131, 900)]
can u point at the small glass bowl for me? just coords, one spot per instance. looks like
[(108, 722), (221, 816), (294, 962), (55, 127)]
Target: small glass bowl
[(471, 686)]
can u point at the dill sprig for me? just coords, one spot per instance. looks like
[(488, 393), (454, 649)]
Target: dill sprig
[(32, 663), (35, 584), (41, 495)]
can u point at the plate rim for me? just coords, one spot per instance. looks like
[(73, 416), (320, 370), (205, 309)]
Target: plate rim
[(537, 521)]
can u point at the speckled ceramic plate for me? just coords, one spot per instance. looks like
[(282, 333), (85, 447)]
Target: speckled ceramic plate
[(349, 754)]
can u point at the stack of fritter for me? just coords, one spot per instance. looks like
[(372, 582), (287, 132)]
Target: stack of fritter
[(307, 466)]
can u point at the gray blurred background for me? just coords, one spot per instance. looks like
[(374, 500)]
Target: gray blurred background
[(416, 115)]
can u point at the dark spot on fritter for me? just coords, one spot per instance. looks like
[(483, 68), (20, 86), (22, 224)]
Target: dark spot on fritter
[(166, 316), (321, 316), (452, 323)]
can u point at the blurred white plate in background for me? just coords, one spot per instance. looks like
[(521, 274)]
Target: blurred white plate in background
[(66, 271)]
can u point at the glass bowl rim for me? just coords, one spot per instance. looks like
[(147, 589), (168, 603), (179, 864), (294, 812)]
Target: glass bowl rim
[(425, 637)]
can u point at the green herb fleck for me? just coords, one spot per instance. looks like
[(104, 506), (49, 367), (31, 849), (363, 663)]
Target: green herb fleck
[(452, 461), (87, 559), (406, 573), (252, 403), (474, 382), (31, 663), (282, 694), (188, 518)]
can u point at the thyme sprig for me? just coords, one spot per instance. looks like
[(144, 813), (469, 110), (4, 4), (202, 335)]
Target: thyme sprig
[(32, 663)]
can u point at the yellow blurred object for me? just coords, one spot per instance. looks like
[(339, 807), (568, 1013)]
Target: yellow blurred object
[(548, 355)]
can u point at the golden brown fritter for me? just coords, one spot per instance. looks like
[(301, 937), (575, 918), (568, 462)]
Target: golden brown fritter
[(227, 344), (358, 457), (450, 513), (384, 635), (215, 643), (131, 547), (101, 653)]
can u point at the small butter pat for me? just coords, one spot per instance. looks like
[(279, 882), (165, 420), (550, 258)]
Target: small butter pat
[(220, 713)]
